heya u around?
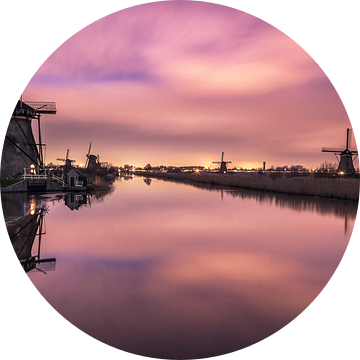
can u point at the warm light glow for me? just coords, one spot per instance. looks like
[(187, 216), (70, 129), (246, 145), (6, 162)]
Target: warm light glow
[(32, 206)]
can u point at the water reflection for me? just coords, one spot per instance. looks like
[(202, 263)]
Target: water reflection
[(173, 270), (25, 224), (126, 176), (339, 208), (22, 234), (75, 200), (25, 221), (147, 181)]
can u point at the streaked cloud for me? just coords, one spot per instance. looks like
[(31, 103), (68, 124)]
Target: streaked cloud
[(165, 74)]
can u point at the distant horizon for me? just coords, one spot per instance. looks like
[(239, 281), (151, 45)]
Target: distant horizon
[(230, 167)]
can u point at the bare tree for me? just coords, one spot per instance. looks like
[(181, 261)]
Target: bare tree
[(147, 167), (327, 167)]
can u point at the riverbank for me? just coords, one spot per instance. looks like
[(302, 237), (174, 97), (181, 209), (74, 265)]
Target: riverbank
[(50, 185), (339, 188)]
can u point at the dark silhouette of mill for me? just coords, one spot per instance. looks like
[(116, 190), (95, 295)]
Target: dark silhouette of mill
[(91, 164), (347, 157), (67, 162), (223, 164), (21, 150)]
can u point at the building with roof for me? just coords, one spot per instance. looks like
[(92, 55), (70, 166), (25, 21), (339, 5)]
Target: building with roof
[(76, 178), (21, 152)]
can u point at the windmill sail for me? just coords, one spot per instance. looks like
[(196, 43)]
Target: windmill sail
[(324, 149), (67, 161), (87, 156)]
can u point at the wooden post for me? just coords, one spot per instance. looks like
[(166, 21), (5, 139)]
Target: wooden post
[(40, 143)]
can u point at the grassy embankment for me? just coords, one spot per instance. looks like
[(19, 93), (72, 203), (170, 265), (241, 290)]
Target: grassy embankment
[(99, 183), (339, 188), (7, 182)]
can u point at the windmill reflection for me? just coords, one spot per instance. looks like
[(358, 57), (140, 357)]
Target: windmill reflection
[(23, 233), (25, 221)]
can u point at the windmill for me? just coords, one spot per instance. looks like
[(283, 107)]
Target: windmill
[(223, 167), (67, 162), (347, 157), (91, 161)]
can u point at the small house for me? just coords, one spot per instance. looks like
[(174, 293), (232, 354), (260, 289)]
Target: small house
[(76, 178)]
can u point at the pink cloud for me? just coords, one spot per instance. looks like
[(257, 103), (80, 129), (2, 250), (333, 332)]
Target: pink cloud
[(177, 69)]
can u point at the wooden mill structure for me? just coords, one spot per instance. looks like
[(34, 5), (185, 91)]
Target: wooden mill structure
[(347, 157), (67, 162), (223, 164), (91, 163), (21, 151)]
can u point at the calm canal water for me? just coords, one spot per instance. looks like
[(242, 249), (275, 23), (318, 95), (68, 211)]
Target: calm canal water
[(176, 270)]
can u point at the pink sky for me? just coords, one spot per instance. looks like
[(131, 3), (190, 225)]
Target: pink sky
[(177, 83)]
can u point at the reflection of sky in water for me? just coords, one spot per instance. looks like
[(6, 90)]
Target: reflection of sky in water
[(171, 270)]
